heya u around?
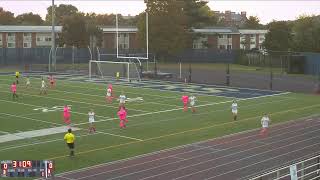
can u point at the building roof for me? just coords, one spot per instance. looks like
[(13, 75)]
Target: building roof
[(113, 29), (8, 28), (217, 30), (253, 31)]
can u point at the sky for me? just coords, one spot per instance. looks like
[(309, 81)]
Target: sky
[(265, 10)]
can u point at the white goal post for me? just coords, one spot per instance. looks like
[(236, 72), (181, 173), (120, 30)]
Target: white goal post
[(108, 69)]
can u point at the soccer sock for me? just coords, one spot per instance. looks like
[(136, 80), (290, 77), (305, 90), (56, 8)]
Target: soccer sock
[(234, 117), (71, 153)]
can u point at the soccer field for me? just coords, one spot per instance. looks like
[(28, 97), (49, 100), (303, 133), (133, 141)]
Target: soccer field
[(156, 123)]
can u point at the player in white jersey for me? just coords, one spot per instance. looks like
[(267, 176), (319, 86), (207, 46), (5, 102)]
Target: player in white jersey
[(265, 121), (28, 82), (234, 110), (43, 89), (122, 100), (91, 115), (192, 100), (109, 95)]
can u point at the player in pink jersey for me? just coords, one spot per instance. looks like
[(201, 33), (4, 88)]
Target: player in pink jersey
[(14, 90), (66, 114), (185, 100), (123, 117)]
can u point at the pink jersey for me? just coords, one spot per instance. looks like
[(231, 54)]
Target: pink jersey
[(110, 86), (185, 99), (122, 114), (66, 111), (51, 79), (13, 88)]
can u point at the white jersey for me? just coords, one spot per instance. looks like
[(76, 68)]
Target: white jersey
[(43, 84), (122, 99), (28, 81), (109, 92), (234, 108), (265, 121), (91, 117), (192, 100)]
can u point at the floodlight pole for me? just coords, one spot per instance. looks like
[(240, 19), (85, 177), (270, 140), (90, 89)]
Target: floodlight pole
[(53, 39)]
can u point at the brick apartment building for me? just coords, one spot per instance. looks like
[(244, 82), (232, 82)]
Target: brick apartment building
[(230, 18), (212, 37), (26, 36)]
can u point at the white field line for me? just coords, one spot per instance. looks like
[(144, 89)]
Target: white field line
[(178, 109), (41, 107), (102, 97), (133, 125), (152, 95), (68, 100), (220, 157), (204, 154), (187, 145), (127, 137)]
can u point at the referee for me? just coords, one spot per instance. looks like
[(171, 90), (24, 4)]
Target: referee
[(69, 138)]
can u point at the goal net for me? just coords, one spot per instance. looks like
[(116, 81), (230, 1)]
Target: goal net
[(109, 69)]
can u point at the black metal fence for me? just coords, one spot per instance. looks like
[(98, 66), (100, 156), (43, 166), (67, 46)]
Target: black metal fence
[(274, 70)]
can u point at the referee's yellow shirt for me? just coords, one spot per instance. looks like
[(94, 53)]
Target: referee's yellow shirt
[(17, 74), (69, 138)]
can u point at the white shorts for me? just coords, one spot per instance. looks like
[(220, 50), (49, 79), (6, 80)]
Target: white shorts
[(28, 83), (265, 126), (192, 103), (108, 94), (234, 111), (91, 120)]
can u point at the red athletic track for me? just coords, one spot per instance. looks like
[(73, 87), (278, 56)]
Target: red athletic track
[(231, 157)]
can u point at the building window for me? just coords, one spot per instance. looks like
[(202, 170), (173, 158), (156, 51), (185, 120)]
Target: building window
[(11, 45), (252, 42), (200, 43), (47, 39), (222, 47), (261, 38), (251, 35), (11, 37), (229, 36), (229, 47), (123, 40), (221, 36), (27, 45)]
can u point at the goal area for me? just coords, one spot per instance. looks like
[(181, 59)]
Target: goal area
[(109, 69)]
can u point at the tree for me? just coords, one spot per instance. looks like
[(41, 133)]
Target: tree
[(29, 19), (6, 17), (168, 28), (253, 22), (74, 31), (60, 12), (198, 14), (306, 30), (279, 37)]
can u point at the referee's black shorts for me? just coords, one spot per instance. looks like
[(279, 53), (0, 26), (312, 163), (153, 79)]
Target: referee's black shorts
[(70, 145)]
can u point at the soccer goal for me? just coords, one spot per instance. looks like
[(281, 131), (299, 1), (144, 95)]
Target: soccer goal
[(109, 69)]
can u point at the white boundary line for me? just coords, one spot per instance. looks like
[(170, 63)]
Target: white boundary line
[(127, 137), (78, 102), (204, 154), (139, 124), (294, 122)]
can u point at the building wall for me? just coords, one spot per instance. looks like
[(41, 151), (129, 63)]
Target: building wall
[(213, 41), (108, 40), (4, 40), (1, 40), (236, 41), (134, 41), (19, 40), (34, 40)]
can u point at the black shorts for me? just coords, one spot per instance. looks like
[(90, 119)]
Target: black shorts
[(17, 77), (70, 145)]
